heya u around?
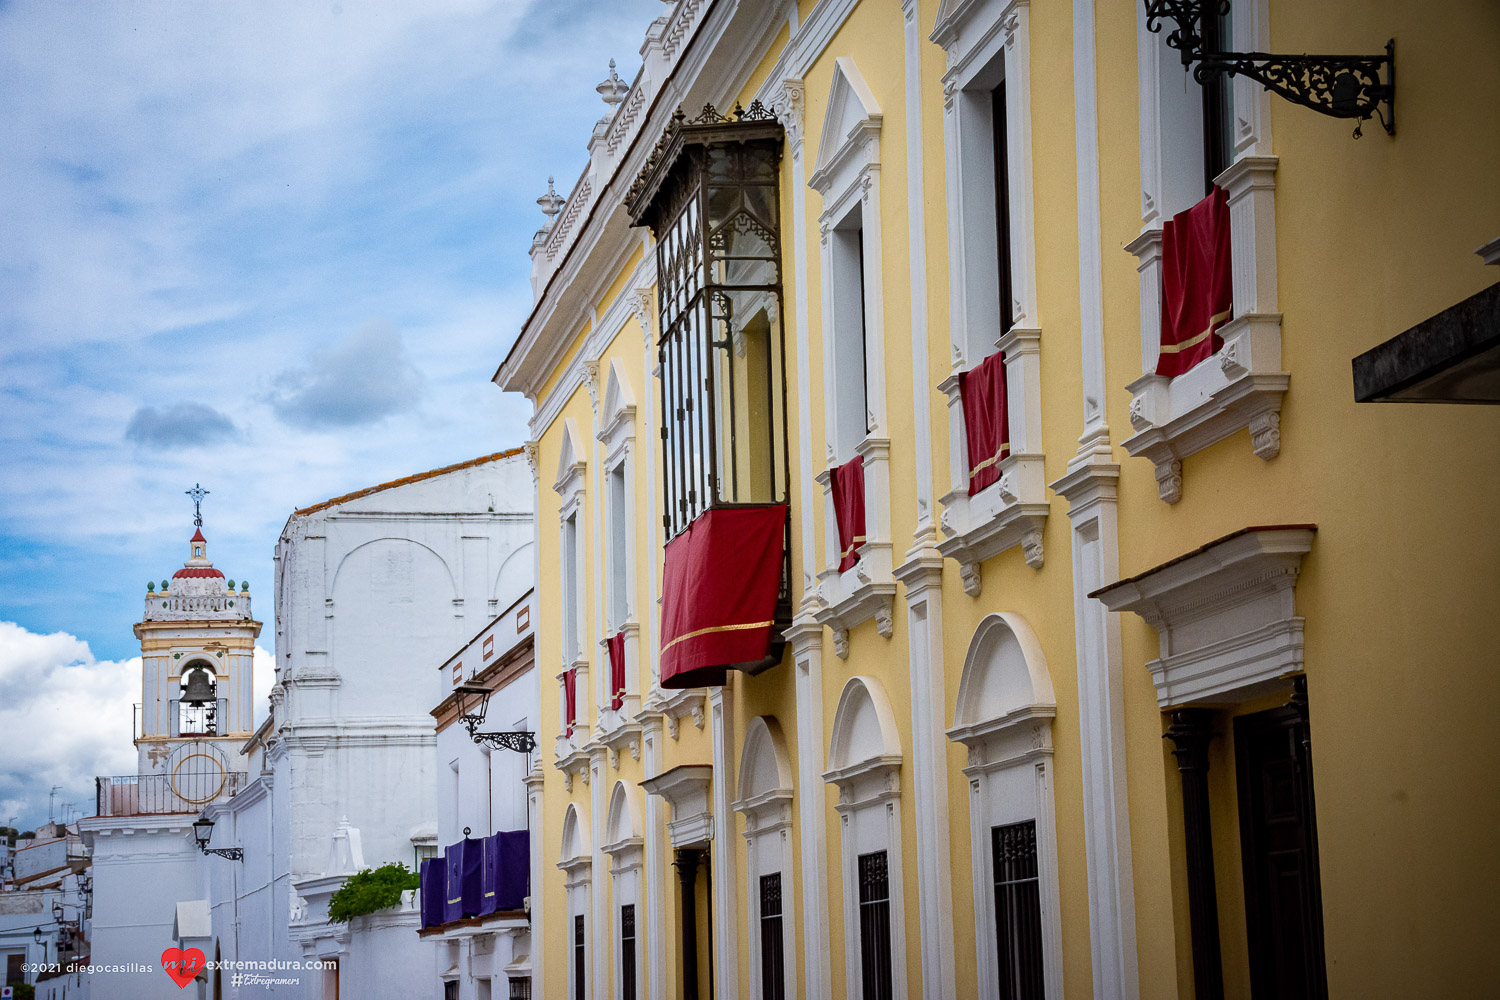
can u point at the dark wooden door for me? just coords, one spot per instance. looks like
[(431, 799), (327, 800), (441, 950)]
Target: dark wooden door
[(1279, 843)]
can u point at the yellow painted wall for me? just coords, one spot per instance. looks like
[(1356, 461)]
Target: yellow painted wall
[(1373, 236)]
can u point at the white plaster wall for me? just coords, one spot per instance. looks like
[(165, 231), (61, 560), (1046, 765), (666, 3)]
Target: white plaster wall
[(139, 877)]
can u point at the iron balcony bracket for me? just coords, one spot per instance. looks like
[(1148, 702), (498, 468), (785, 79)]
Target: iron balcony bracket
[(1337, 86), (519, 741)]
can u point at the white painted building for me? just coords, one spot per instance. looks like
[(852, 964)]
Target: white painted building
[(481, 790), (197, 638), (372, 589)]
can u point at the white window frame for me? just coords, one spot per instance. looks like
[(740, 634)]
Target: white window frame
[(1242, 386), (577, 866), (617, 436), (1003, 716), (766, 804), (986, 42), (864, 761), (570, 486), (847, 176), (624, 845)]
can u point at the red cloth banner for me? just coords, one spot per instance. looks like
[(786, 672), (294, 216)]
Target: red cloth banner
[(848, 482), (1197, 292), (615, 645), (719, 588), (570, 697), (986, 421)]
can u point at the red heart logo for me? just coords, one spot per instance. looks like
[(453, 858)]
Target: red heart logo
[(182, 965)]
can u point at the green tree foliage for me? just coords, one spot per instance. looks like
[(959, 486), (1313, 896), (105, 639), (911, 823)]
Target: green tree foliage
[(370, 890)]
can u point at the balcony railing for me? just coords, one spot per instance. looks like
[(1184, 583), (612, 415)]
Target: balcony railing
[(160, 794)]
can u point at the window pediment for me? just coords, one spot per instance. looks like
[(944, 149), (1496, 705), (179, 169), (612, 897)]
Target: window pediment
[(1225, 613), (851, 127)]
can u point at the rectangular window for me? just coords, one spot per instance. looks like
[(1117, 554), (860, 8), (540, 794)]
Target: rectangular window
[(570, 589), (851, 412), (619, 577), (1218, 103), (627, 952), (1000, 137), (579, 968), (1018, 911), (520, 988), (772, 957), (875, 926)]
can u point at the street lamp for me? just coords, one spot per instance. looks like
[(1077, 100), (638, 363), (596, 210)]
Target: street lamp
[(203, 829), (473, 703)]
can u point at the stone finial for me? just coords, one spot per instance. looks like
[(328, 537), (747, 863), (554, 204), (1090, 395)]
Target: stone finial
[(551, 203), (614, 89)]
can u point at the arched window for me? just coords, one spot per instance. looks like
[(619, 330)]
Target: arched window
[(198, 700), (578, 870), (1004, 716), (864, 761), (766, 802), (623, 844)]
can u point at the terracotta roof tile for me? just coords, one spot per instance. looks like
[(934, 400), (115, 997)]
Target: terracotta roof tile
[(417, 478)]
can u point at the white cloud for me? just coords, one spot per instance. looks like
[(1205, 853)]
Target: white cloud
[(66, 718), (366, 377), (178, 425)]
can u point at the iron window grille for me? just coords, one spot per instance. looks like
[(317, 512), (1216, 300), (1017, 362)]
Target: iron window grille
[(520, 988), (772, 954), (1018, 911), (875, 927), (710, 193), (580, 969), (627, 952)]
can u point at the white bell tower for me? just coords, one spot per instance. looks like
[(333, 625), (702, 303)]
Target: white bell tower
[(197, 644)]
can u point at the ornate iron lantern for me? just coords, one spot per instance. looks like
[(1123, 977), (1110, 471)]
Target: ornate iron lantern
[(1358, 87), (473, 704), (203, 831)]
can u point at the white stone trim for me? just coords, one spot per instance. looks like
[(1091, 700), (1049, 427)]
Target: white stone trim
[(686, 787), (986, 41), (657, 876), (1242, 386), (864, 761), (789, 102), (1091, 491), (1226, 616), (806, 638), (617, 436), (916, 214), (535, 789), (847, 175), (725, 880), (1006, 724), (923, 576), (767, 809)]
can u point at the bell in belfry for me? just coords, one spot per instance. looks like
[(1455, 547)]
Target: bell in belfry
[(200, 688)]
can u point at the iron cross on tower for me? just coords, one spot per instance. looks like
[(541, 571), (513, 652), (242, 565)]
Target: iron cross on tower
[(197, 493)]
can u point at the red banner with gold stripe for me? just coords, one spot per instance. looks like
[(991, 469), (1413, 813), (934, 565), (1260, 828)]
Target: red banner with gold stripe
[(719, 589), (1197, 289)]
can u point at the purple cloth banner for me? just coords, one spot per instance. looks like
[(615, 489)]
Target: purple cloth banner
[(513, 882), (434, 881), (464, 862)]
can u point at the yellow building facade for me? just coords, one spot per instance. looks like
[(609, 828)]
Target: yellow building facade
[(1052, 735)]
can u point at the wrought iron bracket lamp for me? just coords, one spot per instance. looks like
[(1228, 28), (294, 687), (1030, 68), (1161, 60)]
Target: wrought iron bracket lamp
[(1358, 87), (473, 703), (203, 830)]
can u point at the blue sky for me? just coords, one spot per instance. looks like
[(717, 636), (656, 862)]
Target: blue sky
[(275, 248)]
